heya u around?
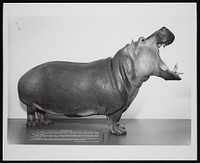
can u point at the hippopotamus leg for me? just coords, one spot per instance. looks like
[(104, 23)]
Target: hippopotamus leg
[(32, 121), (31, 118), (113, 121), (42, 118)]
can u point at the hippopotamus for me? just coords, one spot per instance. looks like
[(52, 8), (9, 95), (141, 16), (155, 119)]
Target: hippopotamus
[(102, 87)]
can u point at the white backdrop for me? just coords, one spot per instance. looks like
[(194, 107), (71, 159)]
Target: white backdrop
[(35, 34)]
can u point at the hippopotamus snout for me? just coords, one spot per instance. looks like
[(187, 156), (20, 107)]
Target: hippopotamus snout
[(163, 36)]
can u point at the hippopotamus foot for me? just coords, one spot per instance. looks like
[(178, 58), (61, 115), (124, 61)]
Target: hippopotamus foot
[(115, 127), (118, 130), (42, 118), (120, 125), (46, 121), (32, 123)]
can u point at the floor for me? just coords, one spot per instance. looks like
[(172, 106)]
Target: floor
[(96, 131)]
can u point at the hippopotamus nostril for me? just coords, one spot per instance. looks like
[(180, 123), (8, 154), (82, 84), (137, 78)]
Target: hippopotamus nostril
[(163, 28)]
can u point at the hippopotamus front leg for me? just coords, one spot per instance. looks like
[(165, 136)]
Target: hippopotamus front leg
[(113, 121)]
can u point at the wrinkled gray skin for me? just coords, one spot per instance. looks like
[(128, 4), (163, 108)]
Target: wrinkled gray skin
[(103, 87)]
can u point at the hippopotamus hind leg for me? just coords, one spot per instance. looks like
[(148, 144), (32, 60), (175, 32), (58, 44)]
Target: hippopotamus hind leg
[(31, 118), (33, 121), (42, 118)]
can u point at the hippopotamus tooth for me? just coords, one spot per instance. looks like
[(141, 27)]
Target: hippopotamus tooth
[(175, 67), (103, 87)]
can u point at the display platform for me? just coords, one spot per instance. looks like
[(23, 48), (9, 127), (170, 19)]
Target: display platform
[(84, 131)]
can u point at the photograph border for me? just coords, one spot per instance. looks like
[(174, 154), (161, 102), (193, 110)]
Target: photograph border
[(69, 152)]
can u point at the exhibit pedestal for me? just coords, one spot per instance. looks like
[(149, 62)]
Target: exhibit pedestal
[(82, 131)]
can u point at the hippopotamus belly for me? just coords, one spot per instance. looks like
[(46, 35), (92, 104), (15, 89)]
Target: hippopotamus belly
[(72, 89)]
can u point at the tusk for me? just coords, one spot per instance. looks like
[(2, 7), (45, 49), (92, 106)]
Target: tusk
[(179, 73), (175, 67)]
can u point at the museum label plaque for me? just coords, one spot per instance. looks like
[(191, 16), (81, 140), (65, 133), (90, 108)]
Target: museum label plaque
[(72, 137)]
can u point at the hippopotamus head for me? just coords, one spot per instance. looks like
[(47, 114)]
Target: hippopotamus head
[(146, 56)]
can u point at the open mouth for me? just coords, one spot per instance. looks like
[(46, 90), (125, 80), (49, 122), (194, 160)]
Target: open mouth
[(165, 72)]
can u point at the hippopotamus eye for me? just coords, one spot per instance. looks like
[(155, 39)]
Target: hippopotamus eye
[(141, 39)]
